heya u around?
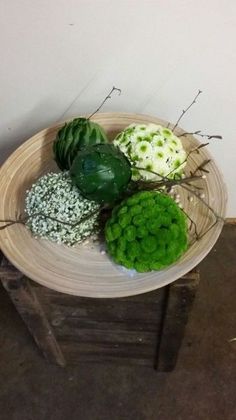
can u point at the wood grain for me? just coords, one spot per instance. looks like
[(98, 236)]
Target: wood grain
[(83, 270), (144, 329), (23, 296), (178, 306)]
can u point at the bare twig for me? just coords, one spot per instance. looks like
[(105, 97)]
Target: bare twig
[(104, 100), (185, 184), (198, 133), (23, 220), (185, 110), (192, 224), (201, 167), (194, 186), (167, 182), (202, 200), (196, 149), (208, 230)]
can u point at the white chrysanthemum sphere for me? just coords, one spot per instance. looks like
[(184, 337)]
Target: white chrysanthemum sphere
[(154, 148)]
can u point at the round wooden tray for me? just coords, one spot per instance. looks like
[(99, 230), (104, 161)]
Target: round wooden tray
[(83, 270)]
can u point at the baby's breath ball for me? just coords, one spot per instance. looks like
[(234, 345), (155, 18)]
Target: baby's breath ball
[(154, 148), (147, 231), (55, 196)]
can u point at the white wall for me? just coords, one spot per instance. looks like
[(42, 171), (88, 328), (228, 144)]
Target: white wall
[(59, 58)]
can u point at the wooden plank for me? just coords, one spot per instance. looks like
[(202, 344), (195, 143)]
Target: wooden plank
[(71, 325), (74, 358), (25, 300), (154, 296), (111, 337), (100, 352), (103, 311), (124, 330), (179, 301)]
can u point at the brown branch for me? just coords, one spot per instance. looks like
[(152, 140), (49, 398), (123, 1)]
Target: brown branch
[(23, 220), (184, 183), (203, 201), (198, 133), (167, 183), (208, 230), (194, 186), (196, 149), (185, 110), (201, 167), (192, 223), (104, 100)]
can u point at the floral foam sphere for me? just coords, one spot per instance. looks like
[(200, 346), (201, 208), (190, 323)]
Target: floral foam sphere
[(154, 148)]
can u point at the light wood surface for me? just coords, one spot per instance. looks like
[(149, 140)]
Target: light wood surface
[(83, 270)]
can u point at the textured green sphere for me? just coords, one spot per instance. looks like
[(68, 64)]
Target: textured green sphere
[(73, 137), (147, 231), (101, 173)]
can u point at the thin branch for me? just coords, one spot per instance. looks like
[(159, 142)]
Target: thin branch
[(192, 224), (196, 149), (208, 230), (184, 183), (202, 200), (23, 220), (198, 133), (201, 167), (164, 181), (104, 100), (185, 110), (195, 186)]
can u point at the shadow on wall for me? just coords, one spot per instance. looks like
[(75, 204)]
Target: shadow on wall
[(22, 129)]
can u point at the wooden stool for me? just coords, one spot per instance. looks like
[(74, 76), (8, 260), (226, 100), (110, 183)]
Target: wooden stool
[(146, 329)]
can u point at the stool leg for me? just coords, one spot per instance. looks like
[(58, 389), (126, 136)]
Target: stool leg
[(25, 301), (178, 304)]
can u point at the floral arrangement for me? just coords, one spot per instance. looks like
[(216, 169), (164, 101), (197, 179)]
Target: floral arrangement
[(120, 191)]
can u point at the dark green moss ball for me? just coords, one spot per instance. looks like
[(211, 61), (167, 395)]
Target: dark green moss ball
[(147, 231)]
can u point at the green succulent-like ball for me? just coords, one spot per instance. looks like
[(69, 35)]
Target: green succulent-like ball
[(152, 148), (147, 231), (73, 137), (101, 172)]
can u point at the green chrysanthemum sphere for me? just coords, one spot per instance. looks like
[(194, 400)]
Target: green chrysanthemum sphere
[(101, 173), (154, 148), (73, 137), (147, 231)]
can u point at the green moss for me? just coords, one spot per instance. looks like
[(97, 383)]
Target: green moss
[(154, 226), (122, 210), (121, 244), (141, 232), (148, 244), (148, 203), (124, 220), (130, 233), (148, 231), (141, 267), (135, 210)]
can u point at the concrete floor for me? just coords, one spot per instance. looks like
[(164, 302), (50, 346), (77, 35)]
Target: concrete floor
[(202, 387)]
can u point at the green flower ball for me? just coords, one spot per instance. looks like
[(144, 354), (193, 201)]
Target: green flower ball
[(146, 232)]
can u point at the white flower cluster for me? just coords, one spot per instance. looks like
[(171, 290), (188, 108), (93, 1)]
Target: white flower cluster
[(152, 147), (55, 196)]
